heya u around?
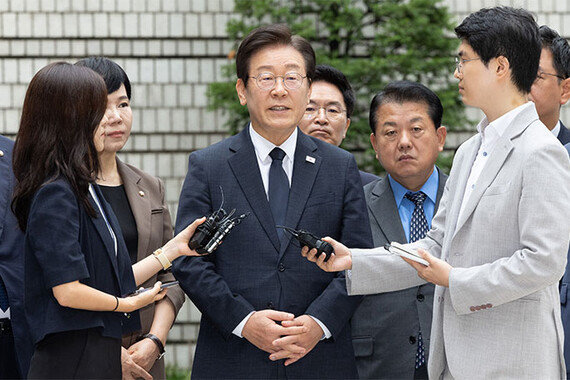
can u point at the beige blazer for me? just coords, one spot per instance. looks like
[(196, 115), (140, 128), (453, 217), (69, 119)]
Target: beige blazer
[(500, 316), (154, 226)]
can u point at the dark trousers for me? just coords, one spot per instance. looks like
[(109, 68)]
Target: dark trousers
[(8, 364), (79, 354)]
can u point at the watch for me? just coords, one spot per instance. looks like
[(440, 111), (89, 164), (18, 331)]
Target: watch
[(158, 343), (161, 257)]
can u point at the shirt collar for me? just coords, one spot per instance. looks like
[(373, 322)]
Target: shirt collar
[(490, 132), (429, 188), (556, 130), (263, 146)]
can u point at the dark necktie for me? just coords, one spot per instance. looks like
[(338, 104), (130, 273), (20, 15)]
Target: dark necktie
[(3, 296), (418, 229), (278, 189)]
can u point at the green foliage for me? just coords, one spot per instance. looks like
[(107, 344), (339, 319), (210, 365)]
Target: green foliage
[(176, 373), (373, 42)]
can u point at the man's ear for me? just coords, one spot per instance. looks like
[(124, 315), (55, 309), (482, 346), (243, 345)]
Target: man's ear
[(441, 133), (503, 66), (346, 128), (373, 142), (240, 88), (565, 94)]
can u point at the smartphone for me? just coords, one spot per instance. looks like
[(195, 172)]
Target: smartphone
[(166, 285), (400, 250)]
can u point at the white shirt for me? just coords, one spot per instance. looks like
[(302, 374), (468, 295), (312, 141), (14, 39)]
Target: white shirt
[(490, 134), (94, 196), (262, 149), (556, 130)]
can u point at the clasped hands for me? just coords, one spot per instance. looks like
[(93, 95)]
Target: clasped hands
[(437, 272), (291, 339)]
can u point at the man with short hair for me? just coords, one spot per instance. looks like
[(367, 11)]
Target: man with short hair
[(551, 89), (267, 312), (497, 246), (391, 331), (327, 117)]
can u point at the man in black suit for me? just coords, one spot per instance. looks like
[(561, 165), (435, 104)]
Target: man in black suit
[(551, 90), (15, 343), (266, 311), (327, 117), (407, 137)]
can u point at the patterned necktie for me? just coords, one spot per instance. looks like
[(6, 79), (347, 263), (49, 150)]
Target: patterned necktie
[(418, 229), (3, 296), (278, 189)]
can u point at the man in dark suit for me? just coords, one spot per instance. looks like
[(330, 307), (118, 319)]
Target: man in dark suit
[(266, 311), (327, 117), (407, 137), (15, 343), (551, 89), (549, 92)]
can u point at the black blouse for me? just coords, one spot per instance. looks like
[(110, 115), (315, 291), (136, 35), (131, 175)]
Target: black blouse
[(117, 198)]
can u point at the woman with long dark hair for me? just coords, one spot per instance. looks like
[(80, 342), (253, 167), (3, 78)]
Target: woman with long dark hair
[(78, 275)]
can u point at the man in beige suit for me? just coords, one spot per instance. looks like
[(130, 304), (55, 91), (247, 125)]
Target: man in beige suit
[(497, 246)]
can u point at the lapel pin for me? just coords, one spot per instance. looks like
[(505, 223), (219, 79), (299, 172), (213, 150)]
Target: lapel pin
[(141, 193), (310, 159), (1, 153)]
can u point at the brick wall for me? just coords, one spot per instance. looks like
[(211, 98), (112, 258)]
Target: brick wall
[(171, 50)]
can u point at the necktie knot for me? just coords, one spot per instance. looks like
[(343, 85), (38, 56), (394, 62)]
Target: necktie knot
[(277, 154), (418, 198)]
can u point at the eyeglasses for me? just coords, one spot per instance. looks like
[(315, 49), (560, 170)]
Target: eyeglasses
[(459, 62), (267, 81), (332, 113), (542, 73)]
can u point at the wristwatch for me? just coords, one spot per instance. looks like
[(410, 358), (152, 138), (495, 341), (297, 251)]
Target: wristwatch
[(158, 343)]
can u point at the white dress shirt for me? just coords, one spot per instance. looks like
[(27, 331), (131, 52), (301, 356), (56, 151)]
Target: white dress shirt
[(262, 149), (94, 196), (556, 130), (490, 134)]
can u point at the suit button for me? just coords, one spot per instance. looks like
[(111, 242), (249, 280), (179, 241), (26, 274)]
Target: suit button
[(477, 307), (421, 297), (412, 340), (281, 267), (270, 305), (489, 306), (472, 308)]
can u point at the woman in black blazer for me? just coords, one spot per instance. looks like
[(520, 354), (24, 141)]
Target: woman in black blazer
[(77, 269)]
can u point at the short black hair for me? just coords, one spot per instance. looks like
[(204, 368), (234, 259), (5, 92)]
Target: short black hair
[(508, 32), (559, 48), (112, 73), (406, 91), (335, 77), (271, 36)]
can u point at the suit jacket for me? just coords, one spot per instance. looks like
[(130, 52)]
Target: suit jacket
[(564, 134), (366, 178), (154, 226), (12, 259), (64, 244), (500, 316), (384, 323), (251, 270)]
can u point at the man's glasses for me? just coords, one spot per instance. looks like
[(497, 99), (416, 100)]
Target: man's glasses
[(267, 81), (332, 113), (459, 62), (541, 74)]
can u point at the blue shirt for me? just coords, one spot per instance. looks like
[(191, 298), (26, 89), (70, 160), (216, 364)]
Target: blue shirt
[(406, 206)]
